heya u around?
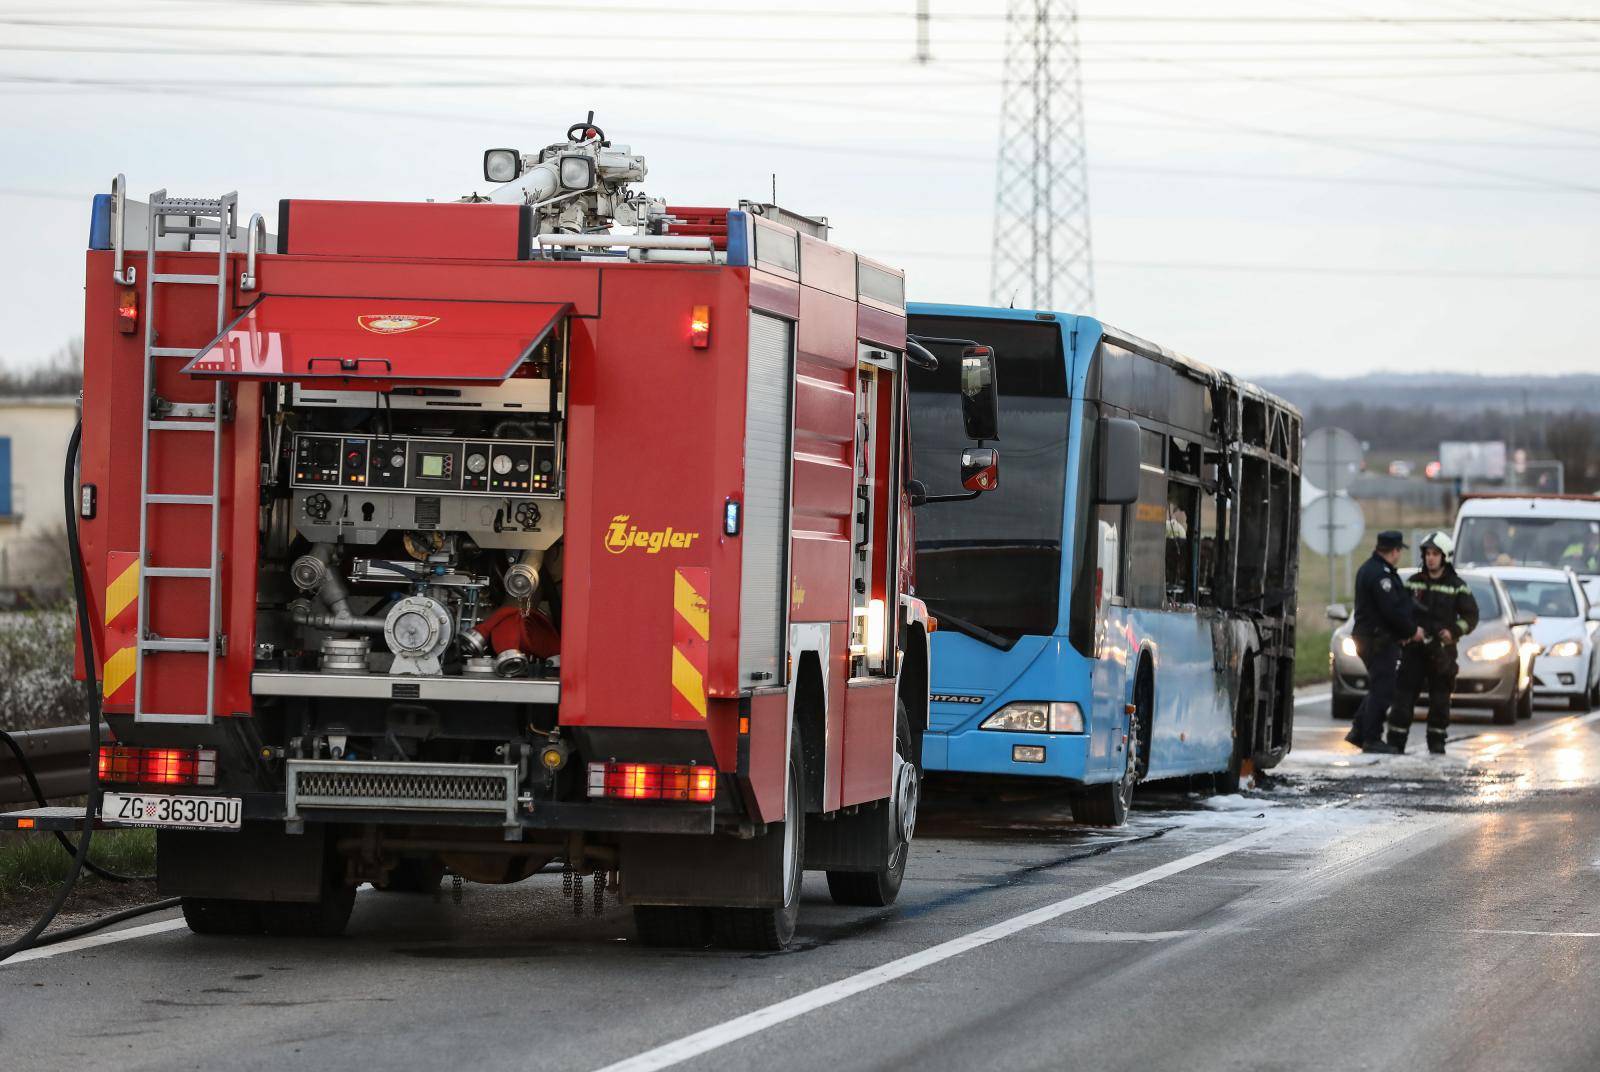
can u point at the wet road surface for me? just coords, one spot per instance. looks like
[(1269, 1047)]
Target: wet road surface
[(1350, 912)]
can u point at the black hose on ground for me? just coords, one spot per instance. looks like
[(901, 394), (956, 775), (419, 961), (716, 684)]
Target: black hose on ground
[(38, 794), (91, 806), (67, 934)]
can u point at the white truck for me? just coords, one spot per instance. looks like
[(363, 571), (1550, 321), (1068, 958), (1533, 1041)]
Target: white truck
[(1559, 531)]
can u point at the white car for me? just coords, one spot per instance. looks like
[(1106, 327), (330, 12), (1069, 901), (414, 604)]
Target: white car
[(1565, 626)]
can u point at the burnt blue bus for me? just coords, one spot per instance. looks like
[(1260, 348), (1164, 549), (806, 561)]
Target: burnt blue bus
[(1122, 607)]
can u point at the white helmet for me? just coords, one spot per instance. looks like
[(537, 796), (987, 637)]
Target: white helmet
[(1441, 542)]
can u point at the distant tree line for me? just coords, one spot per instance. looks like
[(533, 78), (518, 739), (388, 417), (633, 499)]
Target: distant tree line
[(61, 374), (1571, 437)]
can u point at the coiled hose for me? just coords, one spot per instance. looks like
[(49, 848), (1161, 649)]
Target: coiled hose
[(91, 807)]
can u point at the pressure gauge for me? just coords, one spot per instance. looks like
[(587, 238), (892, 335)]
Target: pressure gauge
[(476, 463), (397, 460), (502, 464)]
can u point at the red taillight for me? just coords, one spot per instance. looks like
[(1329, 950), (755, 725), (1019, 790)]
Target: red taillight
[(703, 784), (166, 766), (158, 766), (128, 311), (700, 327), (653, 781)]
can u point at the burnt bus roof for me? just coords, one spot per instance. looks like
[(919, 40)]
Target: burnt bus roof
[(1200, 369)]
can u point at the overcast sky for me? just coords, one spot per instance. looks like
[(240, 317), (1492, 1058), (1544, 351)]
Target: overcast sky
[(1330, 186)]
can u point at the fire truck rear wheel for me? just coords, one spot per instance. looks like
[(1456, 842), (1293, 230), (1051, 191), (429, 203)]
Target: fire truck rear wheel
[(771, 929), (214, 915), (324, 918), (672, 926), (878, 889)]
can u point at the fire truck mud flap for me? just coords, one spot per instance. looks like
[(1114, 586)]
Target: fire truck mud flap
[(260, 862), (704, 871), (689, 820)]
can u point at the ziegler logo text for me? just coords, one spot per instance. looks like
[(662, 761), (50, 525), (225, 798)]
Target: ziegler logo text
[(621, 536)]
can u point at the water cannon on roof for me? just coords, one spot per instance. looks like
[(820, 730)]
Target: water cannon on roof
[(578, 186)]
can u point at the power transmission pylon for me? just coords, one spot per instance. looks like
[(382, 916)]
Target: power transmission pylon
[(1041, 254)]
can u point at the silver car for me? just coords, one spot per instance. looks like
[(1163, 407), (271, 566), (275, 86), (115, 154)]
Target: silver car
[(1495, 659)]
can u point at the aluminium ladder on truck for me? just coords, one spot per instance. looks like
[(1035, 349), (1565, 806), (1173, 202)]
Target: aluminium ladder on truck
[(174, 223)]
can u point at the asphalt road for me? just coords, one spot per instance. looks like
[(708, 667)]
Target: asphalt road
[(1353, 912)]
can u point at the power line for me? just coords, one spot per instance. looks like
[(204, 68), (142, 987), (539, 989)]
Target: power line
[(1264, 269), (1466, 113), (1492, 46), (499, 32), (17, 77), (1342, 140), (1330, 180), (788, 58), (809, 63), (521, 6), (1354, 146)]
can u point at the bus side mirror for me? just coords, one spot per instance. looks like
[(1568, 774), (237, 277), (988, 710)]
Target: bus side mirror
[(1118, 476), (980, 469), (980, 397)]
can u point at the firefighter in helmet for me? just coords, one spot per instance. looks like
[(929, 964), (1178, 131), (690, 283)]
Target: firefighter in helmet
[(1446, 611)]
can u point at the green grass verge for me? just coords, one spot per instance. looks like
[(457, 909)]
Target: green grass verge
[(30, 863), (1311, 654)]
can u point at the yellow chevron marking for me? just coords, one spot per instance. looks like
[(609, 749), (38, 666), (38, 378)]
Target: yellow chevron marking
[(692, 606), (122, 591), (117, 670), (689, 682)]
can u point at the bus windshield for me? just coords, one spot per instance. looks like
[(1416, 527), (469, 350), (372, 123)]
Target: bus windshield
[(991, 567), (1530, 541)]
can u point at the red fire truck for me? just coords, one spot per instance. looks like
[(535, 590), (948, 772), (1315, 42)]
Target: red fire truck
[(558, 526)]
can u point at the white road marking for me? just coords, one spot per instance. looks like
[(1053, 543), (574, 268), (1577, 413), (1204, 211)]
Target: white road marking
[(89, 941), (1541, 934), (713, 1038), (1565, 725), (1315, 697)]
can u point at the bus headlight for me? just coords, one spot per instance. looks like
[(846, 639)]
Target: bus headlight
[(1036, 716), (1490, 651)]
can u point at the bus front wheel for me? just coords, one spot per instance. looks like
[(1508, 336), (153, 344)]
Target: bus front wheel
[(1107, 804)]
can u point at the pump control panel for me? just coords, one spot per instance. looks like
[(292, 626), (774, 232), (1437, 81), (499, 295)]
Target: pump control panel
[(499, 467)]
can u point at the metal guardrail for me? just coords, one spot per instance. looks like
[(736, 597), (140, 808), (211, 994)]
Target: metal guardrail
[(60, 760)]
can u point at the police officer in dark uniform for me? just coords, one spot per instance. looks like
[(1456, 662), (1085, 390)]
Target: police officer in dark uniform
[(1384, 620)]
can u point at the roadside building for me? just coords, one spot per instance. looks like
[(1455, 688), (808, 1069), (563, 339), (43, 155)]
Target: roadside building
[(34, 431)]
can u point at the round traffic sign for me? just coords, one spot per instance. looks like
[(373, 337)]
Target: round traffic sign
[(1332, 524), (1332, 458)]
